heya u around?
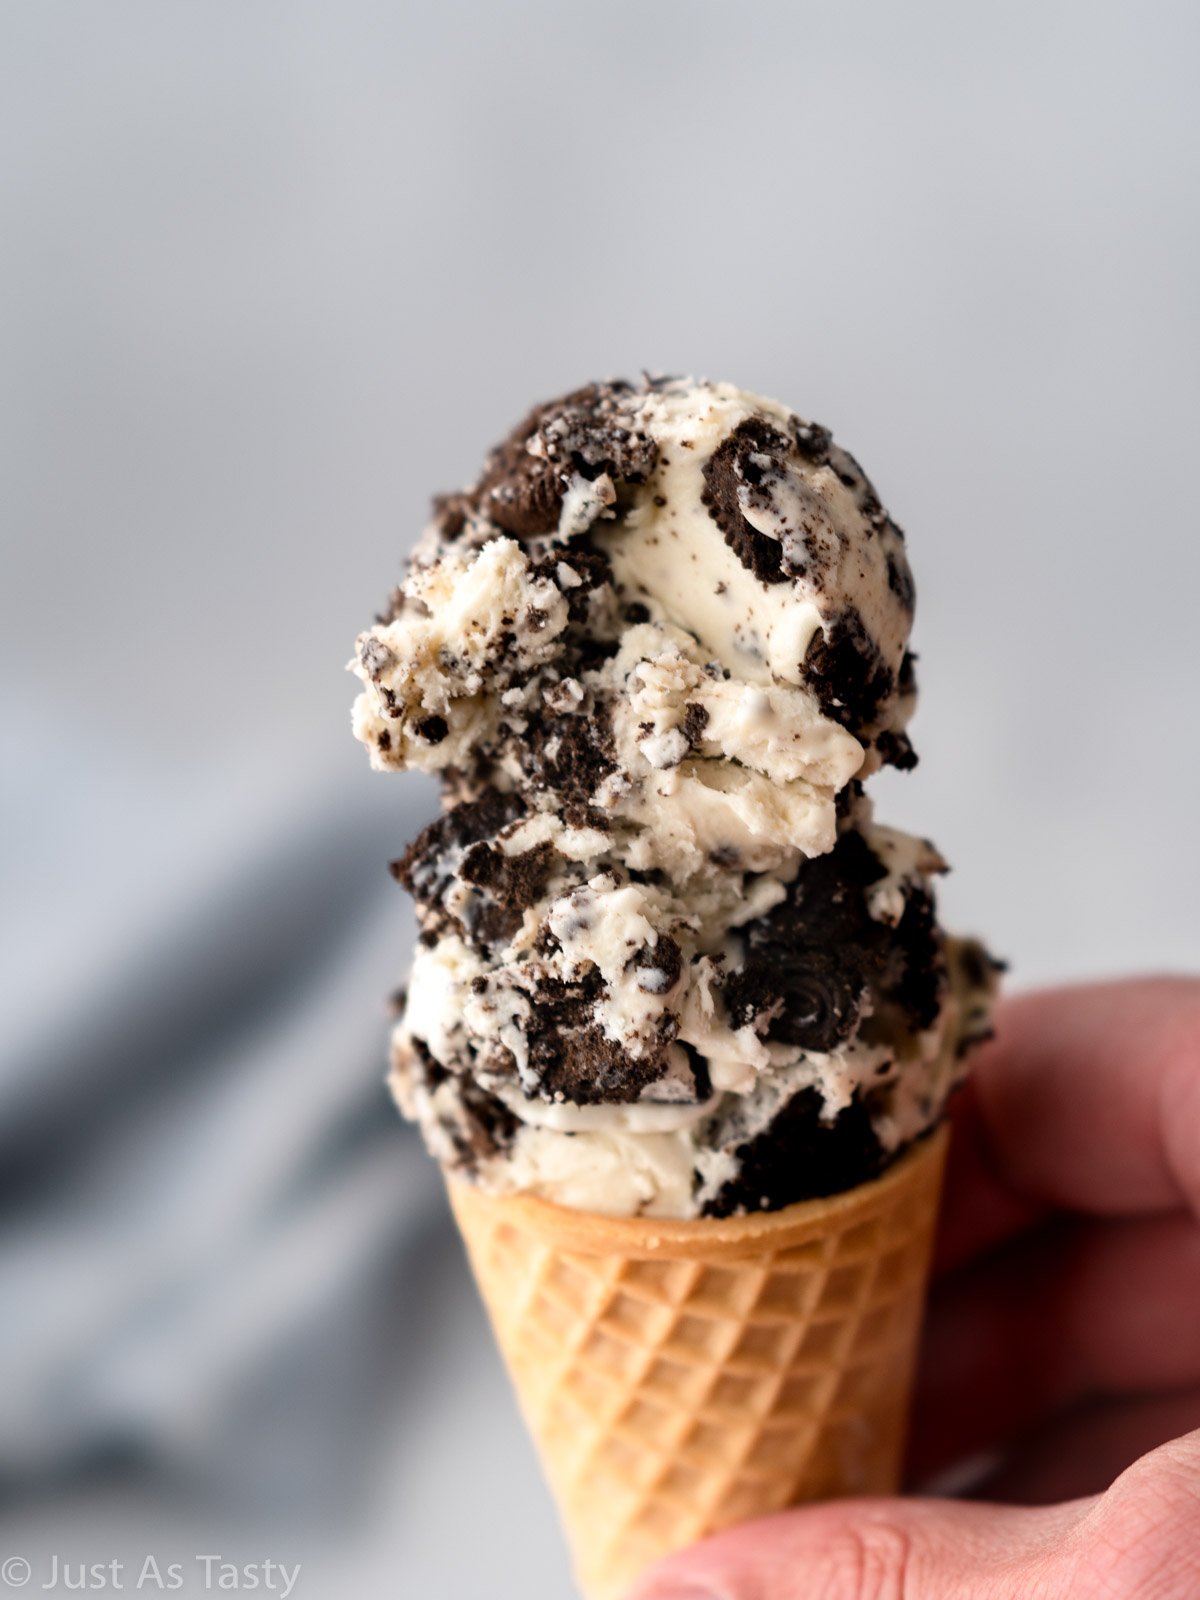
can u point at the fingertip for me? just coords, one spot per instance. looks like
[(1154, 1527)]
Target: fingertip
[(1074, 1088), (1085, 1101), (705, 1571), (752, 1561), (837, 1550)]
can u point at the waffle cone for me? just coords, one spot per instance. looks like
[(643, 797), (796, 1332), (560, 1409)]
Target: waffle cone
[(678, 1377)]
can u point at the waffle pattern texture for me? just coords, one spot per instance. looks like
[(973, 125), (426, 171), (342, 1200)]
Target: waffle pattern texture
[(679, 1377)]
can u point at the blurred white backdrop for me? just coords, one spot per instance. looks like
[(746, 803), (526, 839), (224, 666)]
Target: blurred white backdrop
[(272, 273)]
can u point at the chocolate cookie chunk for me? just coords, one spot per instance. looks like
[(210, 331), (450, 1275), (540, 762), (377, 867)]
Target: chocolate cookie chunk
[(515, 882), (799, 1157), (813, 962), (814, 1003), (845, 670), (570, 755), (748, 460), (478, 1124), (811, 440), (585, 434), (438, 855), (573, 1059)]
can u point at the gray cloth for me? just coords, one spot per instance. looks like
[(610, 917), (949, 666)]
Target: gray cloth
[(228, 1270)]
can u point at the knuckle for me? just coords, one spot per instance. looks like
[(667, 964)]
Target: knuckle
[(1146, 1532), (1162, 1486), (819, 1553), (868, 1559)]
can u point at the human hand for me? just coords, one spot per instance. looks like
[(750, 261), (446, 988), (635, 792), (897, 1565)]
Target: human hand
[(1063, 1340)]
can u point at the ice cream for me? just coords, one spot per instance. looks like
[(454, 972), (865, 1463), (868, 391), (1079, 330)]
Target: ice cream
[(669, 963)]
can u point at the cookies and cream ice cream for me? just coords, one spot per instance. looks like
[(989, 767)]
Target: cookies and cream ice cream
[(669, 962)]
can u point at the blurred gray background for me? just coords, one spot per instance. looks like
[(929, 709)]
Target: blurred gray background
[(271, 274)]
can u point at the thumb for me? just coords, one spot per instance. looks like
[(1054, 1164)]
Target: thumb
[(1142, 1537)]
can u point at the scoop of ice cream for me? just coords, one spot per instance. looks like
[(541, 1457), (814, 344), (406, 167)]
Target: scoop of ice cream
[(679, 604), (570, 997), (668, 961)]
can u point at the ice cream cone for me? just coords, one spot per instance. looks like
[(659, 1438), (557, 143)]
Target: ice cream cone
[(680, 1376)]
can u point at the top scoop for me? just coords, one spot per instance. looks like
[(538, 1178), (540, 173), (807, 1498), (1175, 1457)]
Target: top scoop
[(668, 963)]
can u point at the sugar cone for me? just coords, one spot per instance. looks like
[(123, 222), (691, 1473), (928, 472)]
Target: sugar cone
[(678, 1377)]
